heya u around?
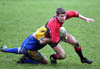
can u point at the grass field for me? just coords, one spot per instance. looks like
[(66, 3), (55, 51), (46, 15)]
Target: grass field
[(20, 18)]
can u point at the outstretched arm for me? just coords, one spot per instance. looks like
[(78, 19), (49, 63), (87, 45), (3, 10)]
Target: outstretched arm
[(86, 19)]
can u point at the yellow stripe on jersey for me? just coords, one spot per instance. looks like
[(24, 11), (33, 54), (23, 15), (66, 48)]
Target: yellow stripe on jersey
[(34, 55), (40, 33)]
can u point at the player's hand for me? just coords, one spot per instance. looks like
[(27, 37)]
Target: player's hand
[(89, 20)]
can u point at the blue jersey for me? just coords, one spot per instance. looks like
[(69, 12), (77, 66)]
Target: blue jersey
[(31, 43)]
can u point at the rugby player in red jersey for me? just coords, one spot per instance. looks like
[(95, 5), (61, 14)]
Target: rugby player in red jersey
[(54, 25)]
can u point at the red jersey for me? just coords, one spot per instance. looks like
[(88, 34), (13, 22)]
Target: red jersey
[(54, 25)]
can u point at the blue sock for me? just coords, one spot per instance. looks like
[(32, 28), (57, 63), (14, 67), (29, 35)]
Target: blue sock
[(11, 50), (31, 61)]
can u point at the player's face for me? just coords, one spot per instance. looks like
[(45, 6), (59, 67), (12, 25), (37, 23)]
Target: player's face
[(61, 18)]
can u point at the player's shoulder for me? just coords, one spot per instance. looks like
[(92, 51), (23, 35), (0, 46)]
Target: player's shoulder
[(52, 19)]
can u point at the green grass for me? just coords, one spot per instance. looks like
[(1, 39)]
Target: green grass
[(19, 18)]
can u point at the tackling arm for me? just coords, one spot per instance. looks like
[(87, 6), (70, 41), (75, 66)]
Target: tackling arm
[(45, 40)]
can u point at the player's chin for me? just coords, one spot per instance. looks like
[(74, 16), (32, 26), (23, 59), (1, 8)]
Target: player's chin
[(62, 21)]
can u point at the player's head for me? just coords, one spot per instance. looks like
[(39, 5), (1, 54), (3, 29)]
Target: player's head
[(61, 14)]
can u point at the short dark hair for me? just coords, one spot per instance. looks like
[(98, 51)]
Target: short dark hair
[(60, 11)]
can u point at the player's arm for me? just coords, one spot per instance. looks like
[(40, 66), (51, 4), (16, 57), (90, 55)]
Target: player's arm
[(70, 14), (45, 40), (86, 19)]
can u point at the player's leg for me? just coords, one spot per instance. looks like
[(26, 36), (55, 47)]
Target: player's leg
[(10, 50), (37, 56), (60, 54), (33, 57), (71, 40), (44, 60), (23, 59)]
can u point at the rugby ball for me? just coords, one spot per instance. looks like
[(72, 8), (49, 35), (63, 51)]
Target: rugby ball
[(62, 32)]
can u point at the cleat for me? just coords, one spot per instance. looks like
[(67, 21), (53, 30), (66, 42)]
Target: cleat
[(21, 60), (85, 60), (2, 49), (53, 59)]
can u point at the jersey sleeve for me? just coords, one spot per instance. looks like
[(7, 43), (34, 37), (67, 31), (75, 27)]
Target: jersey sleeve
[(70, 14)]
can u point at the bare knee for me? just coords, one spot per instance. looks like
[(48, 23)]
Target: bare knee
[(62, 56), (77, 45), (44, 60)]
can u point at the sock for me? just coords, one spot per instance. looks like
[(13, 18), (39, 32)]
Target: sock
[(12, 50), (79, 52), (31, 61), (56, 56)]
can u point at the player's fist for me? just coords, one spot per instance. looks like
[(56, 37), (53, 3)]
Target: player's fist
[(89, 20)]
